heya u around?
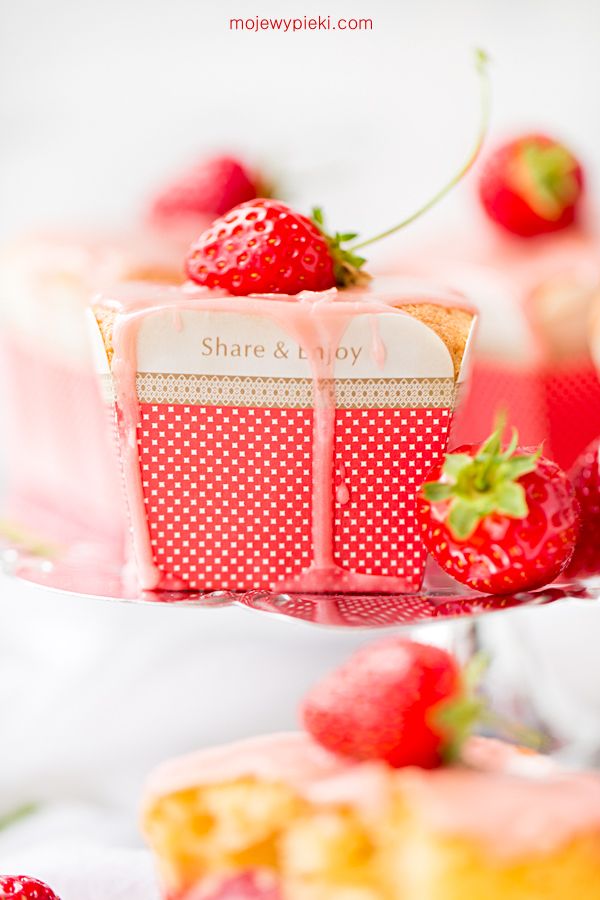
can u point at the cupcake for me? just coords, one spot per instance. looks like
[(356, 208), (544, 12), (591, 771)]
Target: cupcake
[(277, 415)]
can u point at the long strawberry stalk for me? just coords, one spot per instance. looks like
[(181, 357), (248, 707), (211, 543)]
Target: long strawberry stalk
[(481, 63)]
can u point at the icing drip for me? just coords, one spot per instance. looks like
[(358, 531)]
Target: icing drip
[(378, 348), (124, 371), (177, 321), (342, 492)]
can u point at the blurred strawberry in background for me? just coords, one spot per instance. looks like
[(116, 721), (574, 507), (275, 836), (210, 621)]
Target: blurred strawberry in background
[(381, 704), (209, 188), (531, 185)]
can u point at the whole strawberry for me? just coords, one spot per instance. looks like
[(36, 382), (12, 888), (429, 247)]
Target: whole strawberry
[(25, 888), (531, 185), (499, 520), (265, 247), (389, 702), (211, 188), (585, 476), (262, 246)]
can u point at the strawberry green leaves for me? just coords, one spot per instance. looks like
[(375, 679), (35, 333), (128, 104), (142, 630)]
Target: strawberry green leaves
[(347, 266), (548, 178), (478, 486)]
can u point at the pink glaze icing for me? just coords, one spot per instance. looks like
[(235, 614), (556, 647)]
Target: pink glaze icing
[(378, 348), (290, 757), (514, 802), (524, 807), (317, 322)]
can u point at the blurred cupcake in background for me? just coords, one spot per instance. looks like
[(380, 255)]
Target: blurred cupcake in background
[(531, 264), (51, 400)]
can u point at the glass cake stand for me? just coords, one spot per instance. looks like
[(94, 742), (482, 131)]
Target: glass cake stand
[(527, 678), (83, 569)]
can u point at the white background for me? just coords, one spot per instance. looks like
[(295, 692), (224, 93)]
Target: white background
[(98, 102)]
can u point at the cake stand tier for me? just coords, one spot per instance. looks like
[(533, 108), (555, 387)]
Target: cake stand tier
[(84, 571), (533, 656)]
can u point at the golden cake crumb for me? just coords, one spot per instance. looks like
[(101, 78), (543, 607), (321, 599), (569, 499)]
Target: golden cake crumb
[(451, 324), (106, 320)]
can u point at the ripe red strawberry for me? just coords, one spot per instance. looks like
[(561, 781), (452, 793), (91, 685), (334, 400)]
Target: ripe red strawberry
[(499, 521), (25, 888), (585, 476), (392, 701), (211, 187), (531, 186), (264, 247)]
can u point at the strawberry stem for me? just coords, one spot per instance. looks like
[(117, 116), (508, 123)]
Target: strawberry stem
[(513, 731), (460, 717), (15, 815), (481, 61)]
